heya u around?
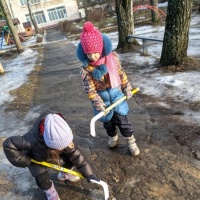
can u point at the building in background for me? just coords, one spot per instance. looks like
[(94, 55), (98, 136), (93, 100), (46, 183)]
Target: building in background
[(47, 13)]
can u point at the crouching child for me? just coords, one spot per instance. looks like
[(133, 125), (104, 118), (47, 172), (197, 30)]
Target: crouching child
[(50, 139)]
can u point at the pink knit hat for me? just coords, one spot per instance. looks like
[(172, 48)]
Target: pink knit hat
[(91, 39)]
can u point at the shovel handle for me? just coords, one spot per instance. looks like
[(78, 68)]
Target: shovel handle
[(57, 167), (105, 188), (120, 100), (107, 110)]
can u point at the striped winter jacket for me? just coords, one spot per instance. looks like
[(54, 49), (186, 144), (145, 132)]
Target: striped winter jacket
[(100, 92)]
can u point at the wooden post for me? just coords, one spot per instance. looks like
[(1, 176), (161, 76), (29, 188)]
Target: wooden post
[(1, 69), (145, 47)]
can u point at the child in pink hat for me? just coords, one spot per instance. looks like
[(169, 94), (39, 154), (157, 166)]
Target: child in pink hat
[(50, 139), (105, 82)]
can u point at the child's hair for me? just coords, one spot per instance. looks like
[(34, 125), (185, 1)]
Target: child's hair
[(53, 156)]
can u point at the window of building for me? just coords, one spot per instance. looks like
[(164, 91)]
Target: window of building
[(38, 16), (57, 13), (24, 2), (34, 1)]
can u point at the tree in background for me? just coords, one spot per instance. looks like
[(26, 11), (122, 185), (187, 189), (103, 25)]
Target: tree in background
[(1, 13), (32, 18), (12, 28), (125, 21), (86, 4), (176, 36), (153, 14)]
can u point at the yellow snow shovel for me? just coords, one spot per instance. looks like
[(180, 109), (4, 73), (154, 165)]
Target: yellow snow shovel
[(59, 168), (101, 114)]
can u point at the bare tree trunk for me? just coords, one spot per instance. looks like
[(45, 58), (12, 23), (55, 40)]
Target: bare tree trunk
[(11, 10), (86, 5), (175, 43), (1, 13), (124, 11), (32, 19), (11, 26), (154, 17)]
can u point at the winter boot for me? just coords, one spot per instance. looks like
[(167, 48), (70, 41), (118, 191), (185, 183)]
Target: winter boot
[(132, 146), (51, 193), (112, 142), (62, 176)]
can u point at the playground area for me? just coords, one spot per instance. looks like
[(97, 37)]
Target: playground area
[(6, 38)]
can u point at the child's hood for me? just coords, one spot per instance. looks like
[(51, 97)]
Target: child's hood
[(107, 48)]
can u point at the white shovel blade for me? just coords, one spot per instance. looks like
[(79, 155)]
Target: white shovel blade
[(105, 188), (92, 123)]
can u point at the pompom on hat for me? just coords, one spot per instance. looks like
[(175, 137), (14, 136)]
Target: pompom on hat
[(57, 133), (91, 39)]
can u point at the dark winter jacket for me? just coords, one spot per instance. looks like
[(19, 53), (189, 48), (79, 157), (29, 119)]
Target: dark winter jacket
[(20, 149), (97, 83)]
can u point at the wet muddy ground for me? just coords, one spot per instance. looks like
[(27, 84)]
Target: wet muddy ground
[(167, 168)]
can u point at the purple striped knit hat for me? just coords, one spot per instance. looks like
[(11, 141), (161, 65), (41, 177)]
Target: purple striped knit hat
[(57, 133)]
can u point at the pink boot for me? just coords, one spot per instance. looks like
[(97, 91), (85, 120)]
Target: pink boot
[(51, 193)]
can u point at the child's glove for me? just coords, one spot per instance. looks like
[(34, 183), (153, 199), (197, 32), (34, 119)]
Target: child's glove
[(103, 109), (92, 177), (128, 95)]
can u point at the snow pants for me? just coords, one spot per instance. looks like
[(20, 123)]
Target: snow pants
[(120, 121)]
